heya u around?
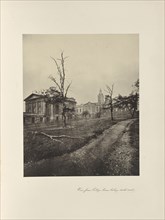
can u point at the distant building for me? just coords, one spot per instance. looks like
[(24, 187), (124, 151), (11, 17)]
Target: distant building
[(100, 108), (91, 107), (39, 108), (100, 98)]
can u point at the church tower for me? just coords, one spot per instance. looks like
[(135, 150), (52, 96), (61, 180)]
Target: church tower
[(100, 98)]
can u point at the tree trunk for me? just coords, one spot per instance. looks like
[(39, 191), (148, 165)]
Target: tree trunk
[(133, 113), (64, 120), (64, 115), (111, 108), (112, 114)]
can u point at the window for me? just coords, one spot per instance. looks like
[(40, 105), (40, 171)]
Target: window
[(29, 107), (39, 107), (34, 107)]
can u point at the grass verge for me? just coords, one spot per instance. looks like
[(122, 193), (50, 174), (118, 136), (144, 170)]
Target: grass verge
[(38, 147)]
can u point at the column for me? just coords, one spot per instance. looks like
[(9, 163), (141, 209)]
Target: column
[(44, 108), (51, 112)]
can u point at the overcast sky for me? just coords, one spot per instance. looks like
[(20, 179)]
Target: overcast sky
[(93, 61)]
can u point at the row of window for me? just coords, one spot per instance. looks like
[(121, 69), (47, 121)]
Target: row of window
[(79, 110), (34, 107), (55, 109), (92, 109), (37, 108)]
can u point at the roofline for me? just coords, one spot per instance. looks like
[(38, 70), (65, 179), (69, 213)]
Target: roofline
[(43, 96), (39, 95)]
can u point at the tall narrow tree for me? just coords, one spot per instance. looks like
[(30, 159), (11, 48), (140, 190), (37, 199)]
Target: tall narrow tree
[(109, 90), (60, 84)]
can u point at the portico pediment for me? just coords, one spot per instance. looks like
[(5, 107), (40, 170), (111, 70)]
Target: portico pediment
[(33, 96)]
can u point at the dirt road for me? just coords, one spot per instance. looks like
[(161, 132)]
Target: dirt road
[(109, 154)]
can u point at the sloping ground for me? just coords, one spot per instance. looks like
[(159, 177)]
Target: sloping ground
[(38, 147), (124, 158), (112, 153)]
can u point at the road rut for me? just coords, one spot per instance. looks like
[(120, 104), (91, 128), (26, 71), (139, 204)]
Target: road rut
[(93, 159)]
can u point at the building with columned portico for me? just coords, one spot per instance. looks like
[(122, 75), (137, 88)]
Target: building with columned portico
[(40, 109)]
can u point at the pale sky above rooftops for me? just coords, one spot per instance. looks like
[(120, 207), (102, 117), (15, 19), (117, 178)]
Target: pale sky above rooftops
[(93, 61)]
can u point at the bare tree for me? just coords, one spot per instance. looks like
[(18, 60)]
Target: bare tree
[(109, 90), (60, 83), (58, 94)]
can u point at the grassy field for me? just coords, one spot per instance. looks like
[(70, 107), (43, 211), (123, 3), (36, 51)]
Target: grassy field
[(38, 146)]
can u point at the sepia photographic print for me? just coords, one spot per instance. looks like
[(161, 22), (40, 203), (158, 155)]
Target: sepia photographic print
[(81, 105), (82, 111)]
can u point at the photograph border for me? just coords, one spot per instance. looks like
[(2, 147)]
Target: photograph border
[(24, 198)]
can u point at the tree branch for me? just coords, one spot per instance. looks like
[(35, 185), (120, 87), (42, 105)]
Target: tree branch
[(67, 89), (54, 80), (59, 71), (49, 136), (63, 70), (53, 137)]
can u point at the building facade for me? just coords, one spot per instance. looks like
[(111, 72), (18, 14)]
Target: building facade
[(40, 109), (91, 108), (100, 98), (100, 109)]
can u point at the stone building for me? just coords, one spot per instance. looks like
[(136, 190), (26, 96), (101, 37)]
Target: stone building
[(39, 108), (101, 108), (100, 98), (91, 107)]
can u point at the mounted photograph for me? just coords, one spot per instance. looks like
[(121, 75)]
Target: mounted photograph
[(81, 105)]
